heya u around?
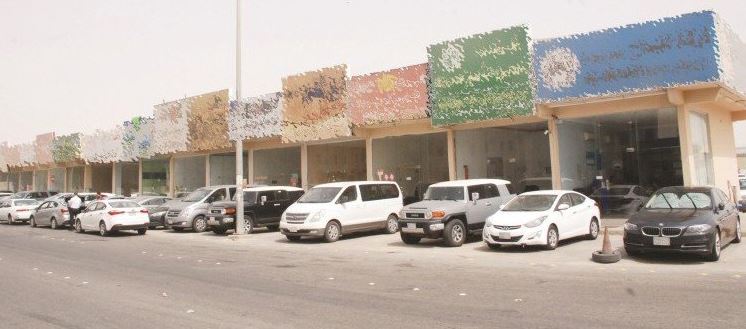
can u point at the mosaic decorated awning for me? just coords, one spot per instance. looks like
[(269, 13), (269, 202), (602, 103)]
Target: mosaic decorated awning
[(389, 96), (102, 146), (256, 117), (732, 56), (4, 156), (314, 105), (664, 53), (43, 148), (27, 154), (207, 121), (481, 77), (66, 148), (170, 128), (137, 138)]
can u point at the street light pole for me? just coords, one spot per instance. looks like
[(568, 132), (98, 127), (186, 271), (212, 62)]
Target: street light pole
[(239, 143)]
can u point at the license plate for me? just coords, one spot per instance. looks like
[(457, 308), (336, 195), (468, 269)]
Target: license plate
[(504, 235), (293, 229), (211, 220), (170, 221), (412, 228), (661, 241)]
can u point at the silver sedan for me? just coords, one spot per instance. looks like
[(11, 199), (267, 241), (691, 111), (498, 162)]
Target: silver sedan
[(52, 213)]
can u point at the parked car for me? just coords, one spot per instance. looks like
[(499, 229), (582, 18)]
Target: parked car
[(17, 210), (156, 206), (697, 220), (36, 195), (742, 189), (191, 211), (620, 199), (335, 209), (263, 207), (111, 216), (5, 195), (452, 210), (52, 213), (542, 218)]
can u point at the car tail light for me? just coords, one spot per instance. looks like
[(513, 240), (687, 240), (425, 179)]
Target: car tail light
[(22, 210), (144, 211), (115, 212), (230, 211), (63, 210)]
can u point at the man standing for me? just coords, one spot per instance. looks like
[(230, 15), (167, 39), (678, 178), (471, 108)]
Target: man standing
[(73, 207)]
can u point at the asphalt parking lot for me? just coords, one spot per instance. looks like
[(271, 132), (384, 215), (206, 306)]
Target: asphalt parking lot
[(167, 279)]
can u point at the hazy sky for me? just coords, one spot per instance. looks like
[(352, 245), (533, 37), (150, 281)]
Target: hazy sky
[(78, 65)]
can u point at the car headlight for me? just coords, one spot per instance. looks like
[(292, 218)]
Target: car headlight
[(437, 214), (282, 218), (697, 229), (630, 227), (228, 211), (316, 216), (535, 222)]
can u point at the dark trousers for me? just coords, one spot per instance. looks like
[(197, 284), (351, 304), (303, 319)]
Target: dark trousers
[(73, 213)]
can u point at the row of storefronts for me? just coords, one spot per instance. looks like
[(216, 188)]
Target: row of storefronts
[(647, 119)]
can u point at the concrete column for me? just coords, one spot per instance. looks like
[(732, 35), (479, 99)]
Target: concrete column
[(87, 178), (64, 181), (554, 154), (114, 177), (304, 165), (171, 180), (139, 177), (33, 179), (687, 158), (451, 155), (250, 166), (369, 158)]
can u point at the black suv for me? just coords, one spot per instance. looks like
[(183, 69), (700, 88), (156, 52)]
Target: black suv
[(263, 207)]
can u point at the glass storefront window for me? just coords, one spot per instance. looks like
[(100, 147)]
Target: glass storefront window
[(223, 169), (41, 180), (155, 177), (414, 162), (26, 181), (75, 179), (127, 178), (4, 181), (13, 178), (189, 173), (518, 153), (620, 159), (701, 151), (101, 175), (336, 162), (57, 179), (277, 167)]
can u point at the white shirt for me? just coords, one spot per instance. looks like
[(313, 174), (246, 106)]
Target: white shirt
[(74, 202)]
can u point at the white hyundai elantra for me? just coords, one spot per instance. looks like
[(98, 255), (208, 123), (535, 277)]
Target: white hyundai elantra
[(542, 218), (113, 215)]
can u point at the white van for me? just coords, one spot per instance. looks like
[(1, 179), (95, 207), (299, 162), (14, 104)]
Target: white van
[(334, 209)]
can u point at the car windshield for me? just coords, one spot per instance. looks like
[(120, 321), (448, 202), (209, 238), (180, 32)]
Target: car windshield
[(320, 195), (248, 197), (680, 199), (454, 193), (26, 202), (19, 195), (197, 195), (534, 202), (123, 204), (742, 182), (612, 191)]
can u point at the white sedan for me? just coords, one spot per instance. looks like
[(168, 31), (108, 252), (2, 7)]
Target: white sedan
[(17, 210), (113, 215), (542, 218)]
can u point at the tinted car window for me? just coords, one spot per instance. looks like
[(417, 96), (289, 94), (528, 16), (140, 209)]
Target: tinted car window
[(510, 189), (476, 189), (565, 199), (295, 195), (577, 199), (389, 191), (270, 195), (350, 193), (370, 192), (723, 197), (490, 191)]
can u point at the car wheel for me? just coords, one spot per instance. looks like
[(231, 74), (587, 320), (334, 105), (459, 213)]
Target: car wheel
[(219, 230), (199, 224), (738, 232), (142, 231), (392, 224), (332, 231), (273, 228), (293, 237), (53, 223), (33, 221), (593, 229), (552, 238), (493, 246), (714, 254), (248, 224), (177, 229), (102, 229), (78, 226), (410, 239), (455, 233)]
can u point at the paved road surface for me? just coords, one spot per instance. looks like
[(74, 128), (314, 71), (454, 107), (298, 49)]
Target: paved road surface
[(60, 279)]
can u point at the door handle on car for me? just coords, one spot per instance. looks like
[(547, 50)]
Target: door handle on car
[(488, 204), (277, 204)]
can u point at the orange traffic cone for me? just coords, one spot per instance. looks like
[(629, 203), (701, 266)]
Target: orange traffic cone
[(606, 255), (606, 248)]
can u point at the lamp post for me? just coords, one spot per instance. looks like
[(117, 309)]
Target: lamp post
[(239, 143)]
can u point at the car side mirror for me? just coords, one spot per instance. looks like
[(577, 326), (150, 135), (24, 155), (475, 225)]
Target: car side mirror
[(563, 206), (475, 196), (721, 206), (263, 199), (639, 206)]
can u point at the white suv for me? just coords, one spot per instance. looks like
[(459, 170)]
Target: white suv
[(331, 210)]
